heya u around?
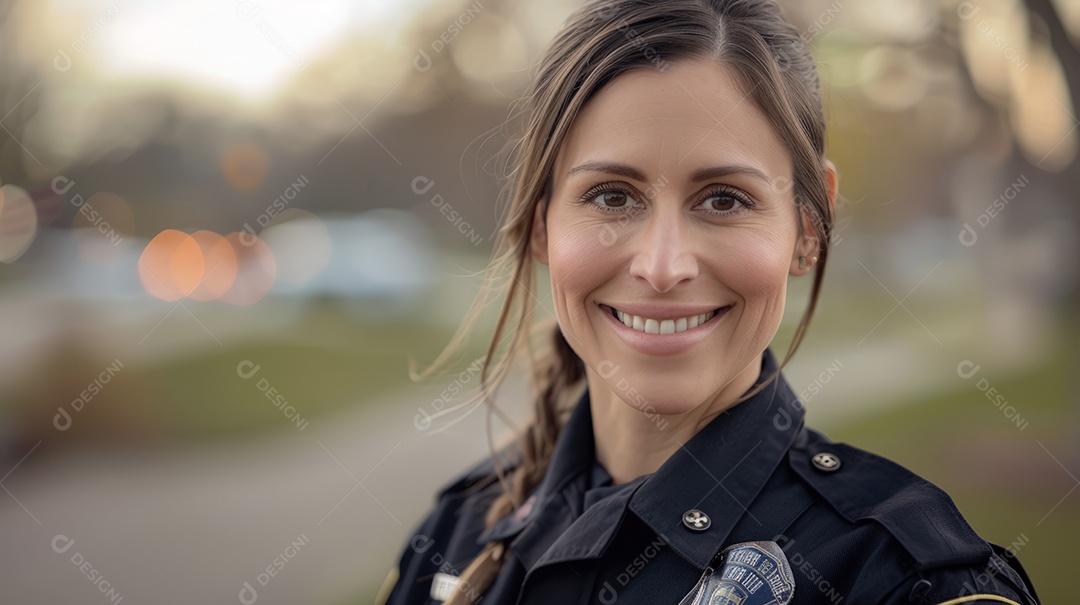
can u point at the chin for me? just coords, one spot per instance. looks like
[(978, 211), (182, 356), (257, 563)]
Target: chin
[(653, 402)]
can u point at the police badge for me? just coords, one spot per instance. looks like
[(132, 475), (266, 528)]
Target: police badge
[(750, 573)]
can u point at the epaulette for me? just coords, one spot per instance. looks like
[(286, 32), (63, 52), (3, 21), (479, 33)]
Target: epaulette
[(861, 486)]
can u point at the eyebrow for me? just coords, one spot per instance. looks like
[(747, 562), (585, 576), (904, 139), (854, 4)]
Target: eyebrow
[(702, 174)]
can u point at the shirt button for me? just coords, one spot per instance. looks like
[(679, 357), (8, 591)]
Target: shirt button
[(826, 461), (696, 520)]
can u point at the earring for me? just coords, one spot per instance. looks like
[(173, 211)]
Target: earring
[(802, 262)]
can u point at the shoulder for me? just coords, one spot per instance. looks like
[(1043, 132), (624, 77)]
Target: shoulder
[(481, 471), (446, 535), (461, 504), (943, 557), (861, 485)]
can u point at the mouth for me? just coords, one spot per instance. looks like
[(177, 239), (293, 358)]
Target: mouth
[(663, 326)]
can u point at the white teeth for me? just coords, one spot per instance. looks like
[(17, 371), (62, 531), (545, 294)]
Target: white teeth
[(666, 326)]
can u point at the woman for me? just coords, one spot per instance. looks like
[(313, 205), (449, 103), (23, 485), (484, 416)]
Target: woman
[(672, 177)]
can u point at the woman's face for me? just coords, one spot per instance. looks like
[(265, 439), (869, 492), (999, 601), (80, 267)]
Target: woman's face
[(671, 204)]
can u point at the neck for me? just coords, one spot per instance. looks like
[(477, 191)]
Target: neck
[(631, 443)]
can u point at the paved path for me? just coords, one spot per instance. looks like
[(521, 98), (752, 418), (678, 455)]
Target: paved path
[(193, 525)]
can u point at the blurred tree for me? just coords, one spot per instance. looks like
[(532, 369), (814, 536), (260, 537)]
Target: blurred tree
[(1067, 180)]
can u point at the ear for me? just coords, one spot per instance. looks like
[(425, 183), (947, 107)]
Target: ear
[(538, 238), (808, 245), (805, 247), (832, 181)]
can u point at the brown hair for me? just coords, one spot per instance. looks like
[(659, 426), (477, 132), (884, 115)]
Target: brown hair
[(600, 41)]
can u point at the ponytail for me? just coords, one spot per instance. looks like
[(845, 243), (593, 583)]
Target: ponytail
[(562, 369)]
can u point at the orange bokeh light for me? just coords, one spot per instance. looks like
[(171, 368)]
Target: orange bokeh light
[(238, 268), (220, 263), (171, 265), (244, 166)]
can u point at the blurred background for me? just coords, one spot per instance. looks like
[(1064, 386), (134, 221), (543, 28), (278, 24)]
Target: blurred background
[(225, 228)]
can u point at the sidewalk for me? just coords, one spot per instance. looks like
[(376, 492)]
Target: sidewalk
[(329, 503)]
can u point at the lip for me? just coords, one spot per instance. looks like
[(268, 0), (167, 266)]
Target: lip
[(663, 344)]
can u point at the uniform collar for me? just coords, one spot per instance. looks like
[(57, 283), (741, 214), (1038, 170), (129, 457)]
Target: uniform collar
[(719, 472), (572, 458), (721, 469)]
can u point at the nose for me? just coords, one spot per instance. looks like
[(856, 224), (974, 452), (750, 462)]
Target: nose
[(664, 255)]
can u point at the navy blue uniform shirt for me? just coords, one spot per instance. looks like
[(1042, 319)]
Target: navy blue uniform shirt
[(755, 509)]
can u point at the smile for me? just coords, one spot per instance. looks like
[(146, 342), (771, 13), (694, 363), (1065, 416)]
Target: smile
[(663, 336), (662, 326)]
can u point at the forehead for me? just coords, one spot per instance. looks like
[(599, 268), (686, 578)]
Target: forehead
[(672, 122)]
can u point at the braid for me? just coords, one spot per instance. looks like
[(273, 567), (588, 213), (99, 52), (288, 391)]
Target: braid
[(563, 370)]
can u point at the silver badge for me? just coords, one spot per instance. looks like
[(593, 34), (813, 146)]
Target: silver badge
[(750, 573)]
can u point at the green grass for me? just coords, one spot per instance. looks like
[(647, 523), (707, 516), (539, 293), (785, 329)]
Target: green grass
[(207, 398), (337, 364), (324, 361)]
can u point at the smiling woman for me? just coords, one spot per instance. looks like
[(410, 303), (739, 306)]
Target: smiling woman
[(715, 244), (672, 177)]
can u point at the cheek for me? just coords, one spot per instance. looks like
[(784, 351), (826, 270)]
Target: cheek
[(756, 268), (578, 264), (578, 260), (757, 271)]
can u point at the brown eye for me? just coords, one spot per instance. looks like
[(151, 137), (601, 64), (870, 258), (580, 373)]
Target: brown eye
[(612, 199), (726, 201), (723, 203)]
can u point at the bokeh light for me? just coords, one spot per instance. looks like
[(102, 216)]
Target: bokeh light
[(171, 266), (300, 243), (892, 78), (238, 268), (220, 264), (490, 50), (18, 222), (256, 269), (244, 166)]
